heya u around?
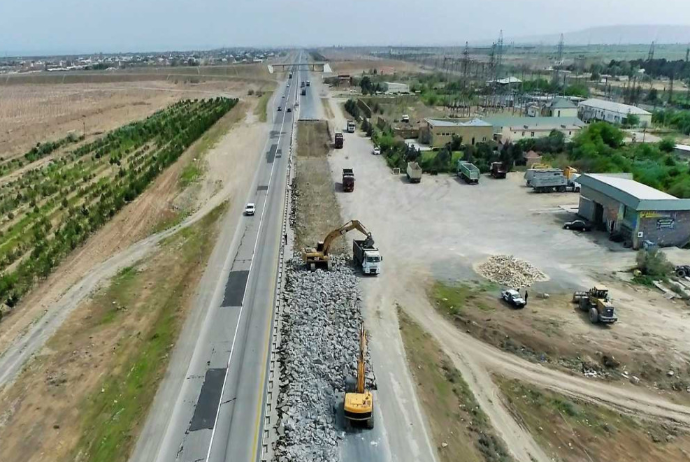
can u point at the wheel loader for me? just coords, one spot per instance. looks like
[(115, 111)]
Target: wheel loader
[(359, 402), (597, 304)]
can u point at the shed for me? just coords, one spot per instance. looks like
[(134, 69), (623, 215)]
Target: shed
[(636, 211)]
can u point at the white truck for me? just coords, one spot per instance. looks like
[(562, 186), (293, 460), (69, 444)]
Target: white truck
[(351, 126), (367, 256), (414, 172)]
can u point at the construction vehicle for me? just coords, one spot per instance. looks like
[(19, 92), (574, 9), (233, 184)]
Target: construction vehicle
[(320, 255), (498, 170), (414, 172), (682, 271), (302, 84), (309, 83), (351, 126), (468, 172), (366, 256), (548, 180), (358, 405), (339, 140), (572, 175), (348, 180), (597, 303)]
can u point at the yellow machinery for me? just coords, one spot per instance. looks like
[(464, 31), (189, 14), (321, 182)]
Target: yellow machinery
[(320, 256), (359, 403), (597, 304), (568, 172)]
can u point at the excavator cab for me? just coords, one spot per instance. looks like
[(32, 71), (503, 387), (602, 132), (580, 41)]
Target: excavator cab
[(358, 406)]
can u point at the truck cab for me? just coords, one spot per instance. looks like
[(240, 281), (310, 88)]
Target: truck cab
[(351, 126), (366, 256)]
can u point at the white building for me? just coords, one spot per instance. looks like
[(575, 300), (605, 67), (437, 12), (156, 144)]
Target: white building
[(616, 113)]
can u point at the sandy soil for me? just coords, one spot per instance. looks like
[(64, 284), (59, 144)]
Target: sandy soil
[(36, 113), (345, 62)]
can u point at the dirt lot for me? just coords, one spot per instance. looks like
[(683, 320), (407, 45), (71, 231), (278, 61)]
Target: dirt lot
[(441, 229), (313, 185), (345, 62), (37, 113), (87, 391), (573, 431)]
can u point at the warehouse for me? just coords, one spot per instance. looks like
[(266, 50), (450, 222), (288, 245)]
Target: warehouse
[(636, 212), (441, 131), (616, 113), (506, 128)]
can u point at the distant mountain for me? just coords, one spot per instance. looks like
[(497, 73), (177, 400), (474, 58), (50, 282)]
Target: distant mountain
[(613, 35)]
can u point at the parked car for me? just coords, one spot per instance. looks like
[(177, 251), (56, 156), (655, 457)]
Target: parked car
[(250, 209), (376, 151), (513, 297), (578, 225), (280, 108)]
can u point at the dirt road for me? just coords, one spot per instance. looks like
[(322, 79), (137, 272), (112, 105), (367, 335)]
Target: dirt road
[(431, 233)]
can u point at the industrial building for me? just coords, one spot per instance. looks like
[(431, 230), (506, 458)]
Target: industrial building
[(616, 113), (635, 211), (516, 128), (561, 107), (441, 131)]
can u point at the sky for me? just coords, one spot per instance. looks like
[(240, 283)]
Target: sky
[(88, 26)]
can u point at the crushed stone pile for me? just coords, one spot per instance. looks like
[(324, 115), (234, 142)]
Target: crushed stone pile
[(510, 271), (319, 349)]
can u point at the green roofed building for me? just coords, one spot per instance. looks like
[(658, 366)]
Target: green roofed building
[(637, 212)]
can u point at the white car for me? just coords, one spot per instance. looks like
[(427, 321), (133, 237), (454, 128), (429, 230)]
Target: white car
[(250, 209), (376, 151)]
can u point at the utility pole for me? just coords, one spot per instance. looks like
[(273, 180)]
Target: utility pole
[(670, 91), (560, 52), (465, 62)]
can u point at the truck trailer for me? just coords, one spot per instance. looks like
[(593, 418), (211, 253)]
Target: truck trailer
[(468, 172), (548, 181), (339, 140), (348, 180), (414, 172), (366, 256)]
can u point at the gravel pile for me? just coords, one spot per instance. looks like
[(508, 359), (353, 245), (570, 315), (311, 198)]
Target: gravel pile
[(319, 349), (510, 271)]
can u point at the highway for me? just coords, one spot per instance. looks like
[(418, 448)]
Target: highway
[(210, 404)]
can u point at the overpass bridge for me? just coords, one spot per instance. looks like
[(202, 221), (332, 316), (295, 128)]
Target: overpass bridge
[(314, 67)]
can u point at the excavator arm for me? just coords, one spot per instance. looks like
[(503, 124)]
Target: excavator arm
[(360, 361), (347, 227)]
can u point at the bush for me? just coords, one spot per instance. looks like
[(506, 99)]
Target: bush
[(653, 263)]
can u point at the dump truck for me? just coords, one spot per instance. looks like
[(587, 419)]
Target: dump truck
[(304, 92), (550, 180), (414, 172), (351, 126), (302, 84), (338, 140), (597, 304), (348, 180), (366, 256), (468, 172), (309, 83), (498, 170), (358, 405)]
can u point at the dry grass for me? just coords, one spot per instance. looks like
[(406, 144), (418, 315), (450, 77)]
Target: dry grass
[(327, 108), (317, 210), (454, 415), (86, 395), (572, 431)]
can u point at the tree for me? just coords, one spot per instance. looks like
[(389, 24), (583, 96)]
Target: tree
[(652, 96), (633, 120), (366, 85), (667, 145), (442, 160)]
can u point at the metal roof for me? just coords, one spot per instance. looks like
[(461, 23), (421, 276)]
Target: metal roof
[(632, 194), (457, 123), (562, 103), (619, 108), (534, 122)]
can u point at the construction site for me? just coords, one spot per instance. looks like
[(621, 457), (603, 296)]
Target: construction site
[(340, 254)]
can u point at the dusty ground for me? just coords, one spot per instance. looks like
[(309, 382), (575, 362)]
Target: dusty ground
[(146, 213), (62, 404), (345, 62), (441, 228), (460, 428), (573, 431), (36, 113), (317, 204)]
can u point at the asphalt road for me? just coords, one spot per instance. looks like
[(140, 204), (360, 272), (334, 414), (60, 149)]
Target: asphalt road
[(210, 405)]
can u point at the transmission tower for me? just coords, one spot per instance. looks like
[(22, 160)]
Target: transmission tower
[(560, 51), (499, 54), (465, 62), (650, 55)]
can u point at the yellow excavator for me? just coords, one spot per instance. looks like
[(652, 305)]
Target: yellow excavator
[(359, 402), (320, 255)]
